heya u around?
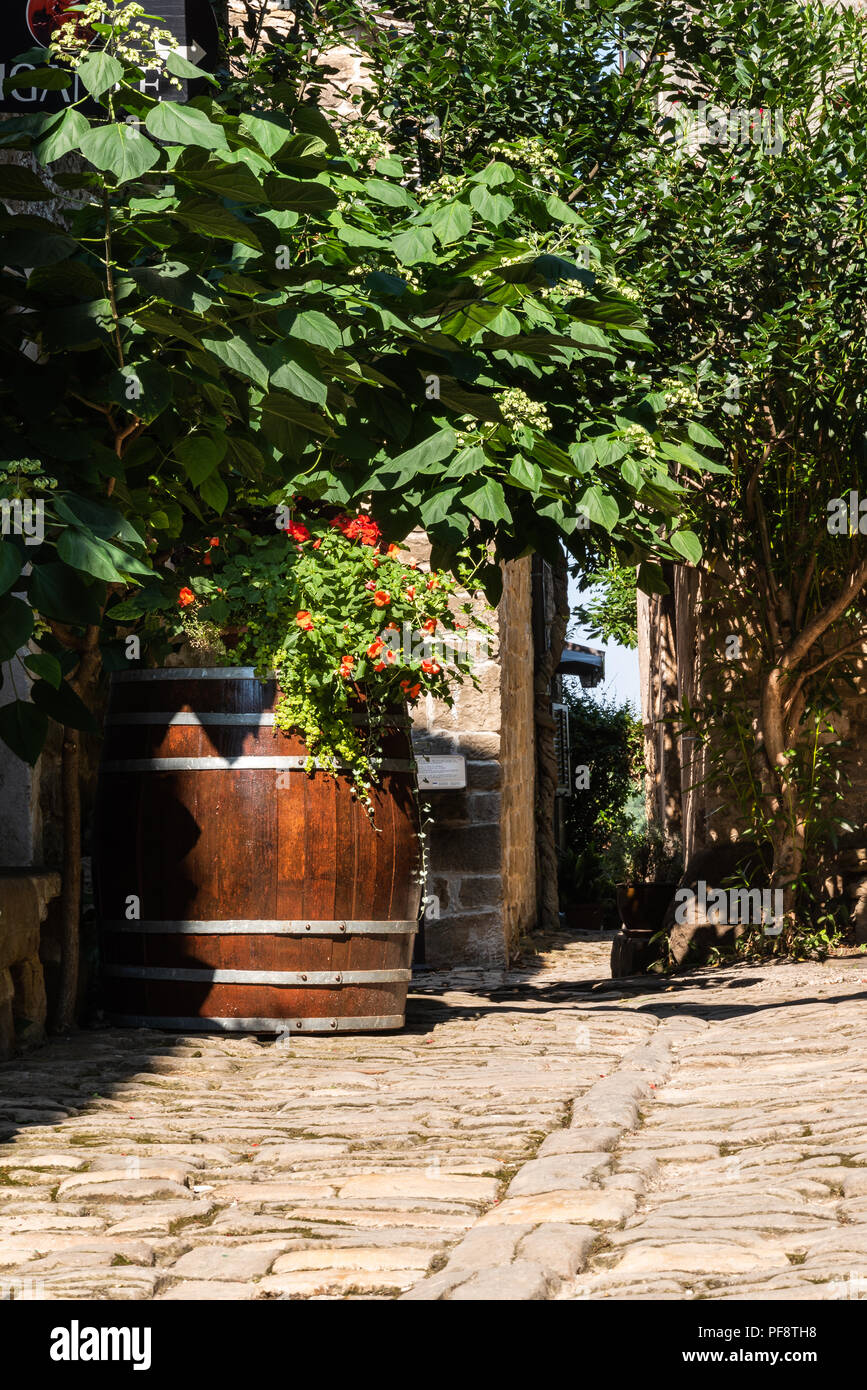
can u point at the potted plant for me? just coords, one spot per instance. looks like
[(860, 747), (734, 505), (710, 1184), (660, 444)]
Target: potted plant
[(284, 804), (654, 865)]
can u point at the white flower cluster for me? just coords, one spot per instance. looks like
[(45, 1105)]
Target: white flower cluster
[(134, 39), (518, 410), (446, 186), (360, 142), (678, 396), (639, 440), (32, 471), (619, 286), (509, 260), (530, 151)]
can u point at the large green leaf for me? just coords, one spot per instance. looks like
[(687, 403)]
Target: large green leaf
[(46, 667), (10, 565), (488, 502), (493, 207), (599, 507), (214, 492), (175, 124), (98, 557), (23, 729), (200, 454), (414, 245), (312, 327), (451, 222), (687, 544), (56, 591), (99, 71), (65, 136), (249, 359), (120, 150), (301, 375), (16, 625), (63, 705), (269, 135), (18, 184), (208, 217), (422, 456)]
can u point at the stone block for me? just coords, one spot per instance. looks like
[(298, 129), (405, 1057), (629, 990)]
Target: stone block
[(486, 1245), (472, 849), (479, 891), (474, 938), (574, 1141), (558, 1173), (586, 1207), (558, 1247), (521, 1282)]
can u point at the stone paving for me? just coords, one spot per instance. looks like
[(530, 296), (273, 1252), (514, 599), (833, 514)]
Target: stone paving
[(541, 1133)]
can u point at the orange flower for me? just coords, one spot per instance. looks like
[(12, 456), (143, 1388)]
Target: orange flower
[(317, 543), (304, 620), (186, 597), (207, 560), (375, 647), (382, 598), (393, 549), (431, 668), (412, 691), (430, 625), (346, 665), (215, 540)]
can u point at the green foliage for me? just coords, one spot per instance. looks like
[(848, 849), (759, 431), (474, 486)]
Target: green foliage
[(610, 614), (236, 306), (602, 817), (344, 622)]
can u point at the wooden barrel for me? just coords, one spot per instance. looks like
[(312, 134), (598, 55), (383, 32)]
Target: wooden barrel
[(235, 890)]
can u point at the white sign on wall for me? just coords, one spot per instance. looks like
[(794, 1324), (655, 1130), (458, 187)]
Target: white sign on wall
[(441, 772)]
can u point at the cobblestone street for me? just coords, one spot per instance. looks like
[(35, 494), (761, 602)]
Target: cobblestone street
[(541, 1133)]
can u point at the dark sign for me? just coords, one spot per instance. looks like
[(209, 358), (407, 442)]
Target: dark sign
[(31, 24)]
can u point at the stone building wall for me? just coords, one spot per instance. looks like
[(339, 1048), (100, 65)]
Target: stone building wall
[(480, 847)]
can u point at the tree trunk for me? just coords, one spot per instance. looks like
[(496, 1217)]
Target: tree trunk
[(547, 896)]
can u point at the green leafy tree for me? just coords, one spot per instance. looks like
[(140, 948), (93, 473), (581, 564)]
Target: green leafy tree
[(737, 209)]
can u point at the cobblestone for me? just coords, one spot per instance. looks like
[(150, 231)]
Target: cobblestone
[(538, 1133)]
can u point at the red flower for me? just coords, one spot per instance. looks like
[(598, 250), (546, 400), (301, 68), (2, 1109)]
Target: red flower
[(346, 665), (317, 543), (410, 593), (433, 582), (430, 625), (382, 598), (304, 620), (413, 563), (393, 549), (380, 665), (215, 540), (358, 528), (297, 531), (371, 585), (207, 560), (390, 655), (412, 691), (186, 597), (431, 668), (375, 647)]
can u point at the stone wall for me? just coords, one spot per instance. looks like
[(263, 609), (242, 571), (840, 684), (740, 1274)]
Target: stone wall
[(481, 875)]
